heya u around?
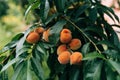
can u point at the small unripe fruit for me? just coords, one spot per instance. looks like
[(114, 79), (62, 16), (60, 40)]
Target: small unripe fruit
[(33, 37), (76, 58), (39, 30), (65, 36), (61, 49), (75, 44), (46, 35), (64, 57)]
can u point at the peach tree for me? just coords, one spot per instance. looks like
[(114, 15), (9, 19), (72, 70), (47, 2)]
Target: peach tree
[(34, 55)]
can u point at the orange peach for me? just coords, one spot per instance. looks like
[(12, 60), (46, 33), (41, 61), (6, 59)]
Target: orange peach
[(76, 58), (65, 36), (33, 37), (39, 30), (64, 57), (75, 44), (46, 35), (61, 49)]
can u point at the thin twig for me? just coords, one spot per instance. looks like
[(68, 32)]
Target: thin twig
[(83, 34)]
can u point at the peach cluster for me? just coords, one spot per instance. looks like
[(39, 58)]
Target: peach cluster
[(64, 50), (34, 36)]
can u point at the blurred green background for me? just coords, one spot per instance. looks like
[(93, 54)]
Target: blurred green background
[(12, 19)]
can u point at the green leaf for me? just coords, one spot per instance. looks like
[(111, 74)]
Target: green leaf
[(24, 48), (29, 75), (81, 9), (106, 42), (17, 37), (111, 75), (10, 63), (31, 1), (55, 31), (40, 48), (44, 9), (9, 46), (32, 6), (97, 30), (36, 66), (50, 18), (17, 71), (112, 53), (60, 5), (93, 55), (93, 14), (86, 48), (115, 65), (93, 72), (74, 72)]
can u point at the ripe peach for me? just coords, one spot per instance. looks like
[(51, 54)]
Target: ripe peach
[(76, 58), (65, 36), (75, 44), (33, 37), (39, 30), (46, 35), (64, 57), (61, 49)]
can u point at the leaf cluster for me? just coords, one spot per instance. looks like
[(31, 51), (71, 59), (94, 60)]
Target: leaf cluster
[(85, 18)]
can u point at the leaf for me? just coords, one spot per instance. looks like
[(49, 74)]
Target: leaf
[(93, 55), (24, 49), (10, 63), (93, 14), (60, 5), (114, 38), (106, 42), (28, 9), (110, 74), (40, 48), (93, 72), (74, 73), (28, 71), (109, 12), (36, 66), (86, 48), (55, 31), (17, 71), (9, 46), (115, 65), (31, 1), (33, 5), (17, 37), (81, 9), (50, 18), (44, 9), (112, 53)]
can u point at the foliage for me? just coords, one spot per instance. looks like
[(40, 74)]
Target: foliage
[(85, 18), (3, 8)]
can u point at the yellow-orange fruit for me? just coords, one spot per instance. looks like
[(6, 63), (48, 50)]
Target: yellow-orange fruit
[(64, 57), (75, 44), (65, 36), (39, 30), (46, 35), (33, 37), (61, 49), (76, 58)]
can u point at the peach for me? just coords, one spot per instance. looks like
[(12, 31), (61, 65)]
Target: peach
[(75, 44), (61, 49), (39, 30), (64, 57), (76, 58), (33, 37), (46, 35), (65, 36)]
